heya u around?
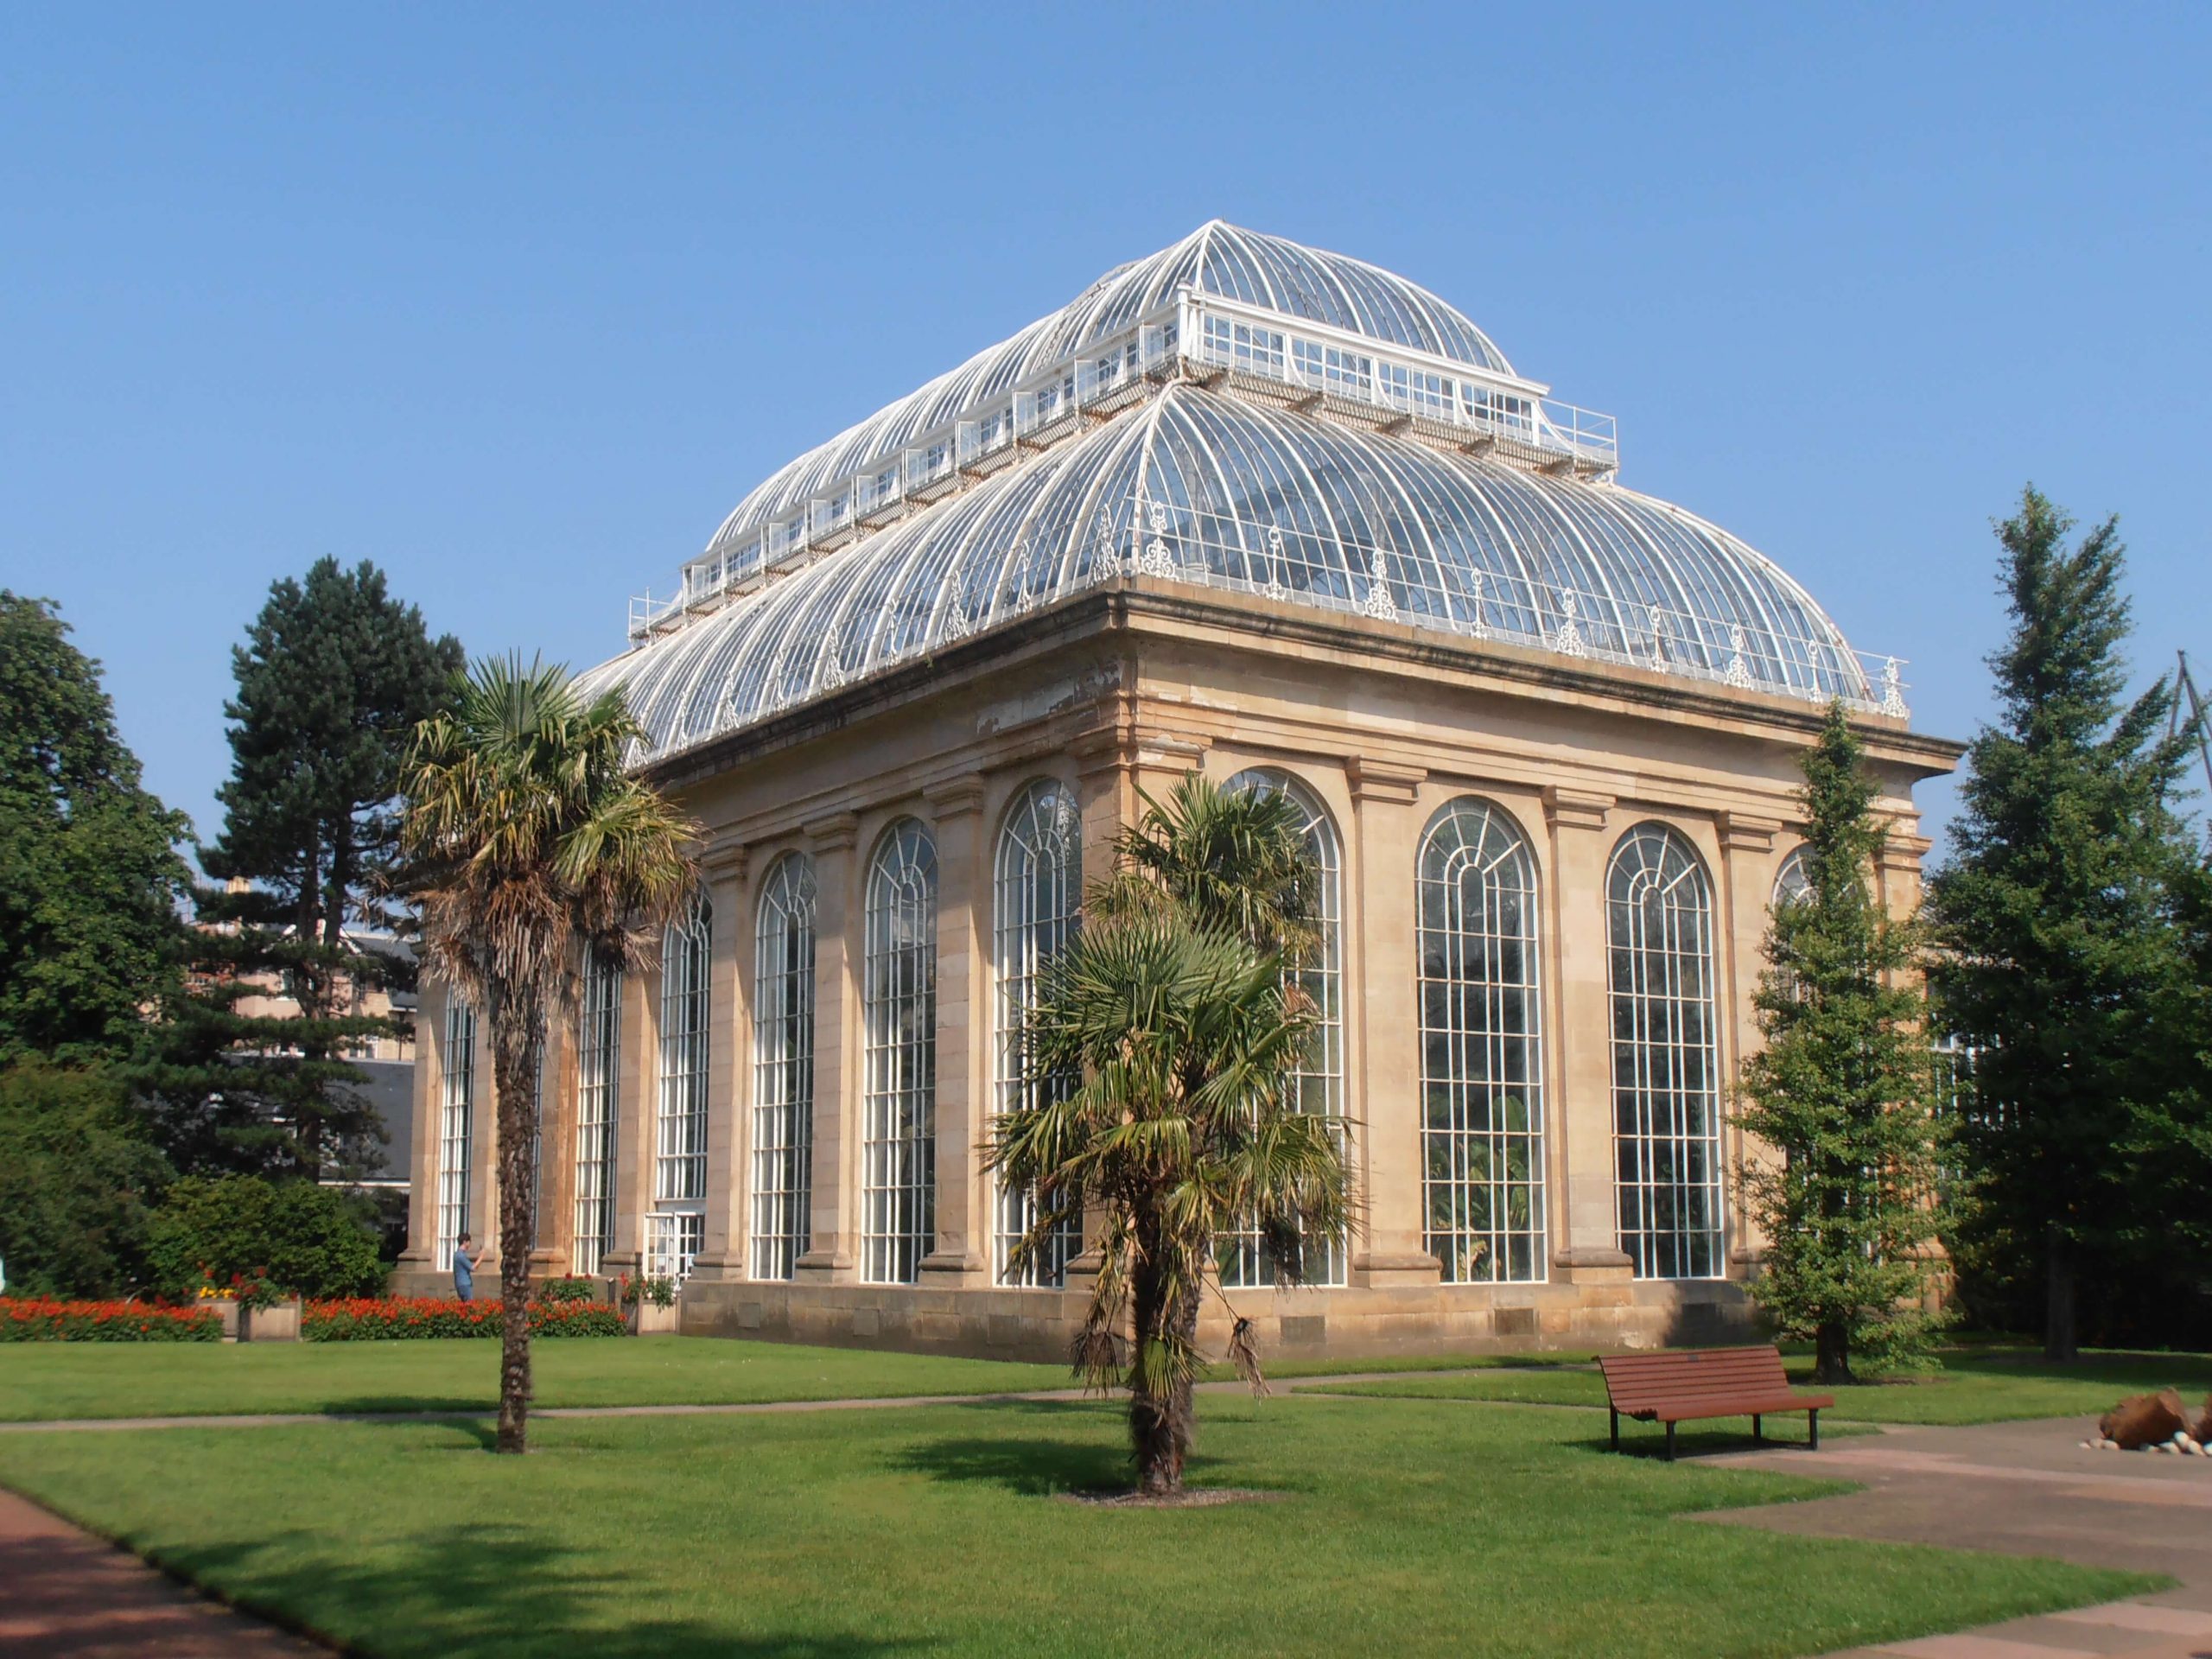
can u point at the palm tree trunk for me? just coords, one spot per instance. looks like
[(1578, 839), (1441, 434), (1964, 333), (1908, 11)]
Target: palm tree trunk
[(1153, 1438), (517, 1037)]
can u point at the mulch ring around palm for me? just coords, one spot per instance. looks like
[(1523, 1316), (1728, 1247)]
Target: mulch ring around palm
[(1196, 1497)]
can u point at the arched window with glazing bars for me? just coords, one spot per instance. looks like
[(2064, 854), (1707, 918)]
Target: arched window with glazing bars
[(1482, 1055), (456, 1125), (1666, 1068), (599, 1073), (782, 1067), (899, 1109), (1320, 1081), (677, 1227), (1036, 893)]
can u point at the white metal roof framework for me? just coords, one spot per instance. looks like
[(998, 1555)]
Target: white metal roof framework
[(1235, 411)]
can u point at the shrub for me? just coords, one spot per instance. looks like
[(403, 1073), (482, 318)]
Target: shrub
[(568, 1290), (398, 1319), (302, 1239), (659, 1291), (75, 1170), (43, 1319)]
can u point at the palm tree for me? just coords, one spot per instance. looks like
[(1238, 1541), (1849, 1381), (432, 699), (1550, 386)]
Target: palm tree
[(529, 844), (1173, 1008)]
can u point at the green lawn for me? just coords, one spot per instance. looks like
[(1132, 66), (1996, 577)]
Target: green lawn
[(1407, 1526), (1976, 1385), (39, 1380)]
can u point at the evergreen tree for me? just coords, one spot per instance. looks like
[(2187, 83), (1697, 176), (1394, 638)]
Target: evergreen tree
[(2056, 914), (1842, 1090), (89, 874), (333, 677)]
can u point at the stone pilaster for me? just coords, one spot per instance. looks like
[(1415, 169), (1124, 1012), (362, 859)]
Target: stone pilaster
[(556, 1148), (833, 1254), (961, 1252), (1385, 1094), (636, 1100), (722, 1254), (422, 1251), (1585, 1221)]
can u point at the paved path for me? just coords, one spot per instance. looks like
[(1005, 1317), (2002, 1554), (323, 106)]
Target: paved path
[(2022, 1489), (279, 1419), (65, 1595)]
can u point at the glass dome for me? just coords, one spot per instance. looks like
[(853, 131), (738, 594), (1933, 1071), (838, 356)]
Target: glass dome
[(1198, 485), (1217, 259)]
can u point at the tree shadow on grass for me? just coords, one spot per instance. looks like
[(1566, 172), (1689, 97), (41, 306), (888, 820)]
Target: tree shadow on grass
[(485, 1590), (1033, 1468)]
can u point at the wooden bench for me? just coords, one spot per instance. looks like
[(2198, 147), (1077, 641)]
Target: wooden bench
[(1682, 1385)]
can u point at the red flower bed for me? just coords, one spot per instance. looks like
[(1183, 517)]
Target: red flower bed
[(396, 1318), (44, 1319)]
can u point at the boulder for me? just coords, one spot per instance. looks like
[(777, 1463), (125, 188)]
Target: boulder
[(2202, 1432), (2143, 1419)]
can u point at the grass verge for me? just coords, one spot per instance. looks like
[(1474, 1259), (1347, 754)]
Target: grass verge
[(1409, 1526), (1976, 1385), (44, 1381)]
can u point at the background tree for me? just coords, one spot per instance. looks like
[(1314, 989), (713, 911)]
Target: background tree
[(1842, 1090), (89, 878), (77, 1174), (1172, 1007), (2055, 917), (528, 845), (334, 678)]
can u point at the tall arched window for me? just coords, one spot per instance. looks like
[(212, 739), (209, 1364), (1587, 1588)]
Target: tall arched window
[(898, 1116), (1038, 888), (1666, 1073), (1482, 1056), (1791, 882), (456, 1125), (677, 1226), (783, 1068), (599, 1070), (1320, 1079)]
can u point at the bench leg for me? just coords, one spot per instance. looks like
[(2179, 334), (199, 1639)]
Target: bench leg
[(1757, 1433), (1813, 1420), (1617, 1430), (1670, 1442)]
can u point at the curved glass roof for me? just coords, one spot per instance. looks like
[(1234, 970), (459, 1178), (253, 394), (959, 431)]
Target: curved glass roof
[(1217, 259), (1202, 486)]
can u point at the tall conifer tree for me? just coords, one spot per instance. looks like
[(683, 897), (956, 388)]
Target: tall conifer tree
[(1842, 1090), (2060, 948), (334, 678)]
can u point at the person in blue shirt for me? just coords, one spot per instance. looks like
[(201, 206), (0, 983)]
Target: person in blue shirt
[(464, 1269)]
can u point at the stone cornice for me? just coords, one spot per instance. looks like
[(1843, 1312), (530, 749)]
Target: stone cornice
[(954, 798), (1384, 780), (835, 833), (724, 860), (1575, 809), (1742, 832)]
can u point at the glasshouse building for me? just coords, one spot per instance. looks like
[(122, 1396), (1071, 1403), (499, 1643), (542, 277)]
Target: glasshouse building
[(1274, 515)]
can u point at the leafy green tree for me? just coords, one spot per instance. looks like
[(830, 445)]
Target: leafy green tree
[(530, 844), (1842, 1090), (76, 1169), (301, 1239), (2060, 947), (1173, 1008), (89, 878), (334, 678)]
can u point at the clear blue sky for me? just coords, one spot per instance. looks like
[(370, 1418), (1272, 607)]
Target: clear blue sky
[(519, 303)]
